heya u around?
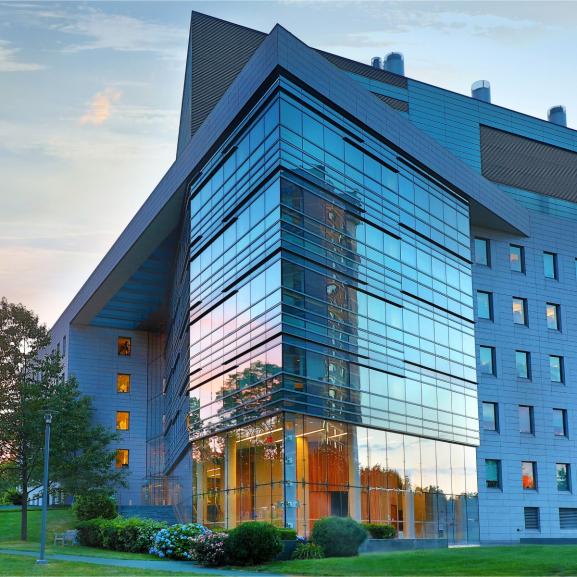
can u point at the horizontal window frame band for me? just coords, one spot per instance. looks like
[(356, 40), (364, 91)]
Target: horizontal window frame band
[(195, 240), (377, 226), (436, 371), (312, 341), (370, 154), (434, 242), (252, 269), (212, 307), (193, 306), (438, 307), (220, 374), (384, 299), (254, 347), (209, 241)]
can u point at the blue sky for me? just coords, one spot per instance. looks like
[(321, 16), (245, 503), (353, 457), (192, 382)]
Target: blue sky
[(90, 95)]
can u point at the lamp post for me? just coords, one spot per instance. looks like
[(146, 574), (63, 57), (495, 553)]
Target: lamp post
[(48, 421)]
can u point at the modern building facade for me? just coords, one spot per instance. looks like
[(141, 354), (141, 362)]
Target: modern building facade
[(351, 294)]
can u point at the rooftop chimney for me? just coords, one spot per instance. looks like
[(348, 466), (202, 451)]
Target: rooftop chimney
[(394, 62), (376, 62), (481, 90), (557, 115)]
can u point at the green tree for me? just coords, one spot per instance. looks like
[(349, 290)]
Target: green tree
[(31, 385)]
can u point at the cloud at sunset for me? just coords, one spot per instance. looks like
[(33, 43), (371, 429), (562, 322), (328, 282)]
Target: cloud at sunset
[(101, 107)]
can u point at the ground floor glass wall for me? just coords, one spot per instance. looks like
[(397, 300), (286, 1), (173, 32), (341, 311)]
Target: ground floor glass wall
[(293, 469)]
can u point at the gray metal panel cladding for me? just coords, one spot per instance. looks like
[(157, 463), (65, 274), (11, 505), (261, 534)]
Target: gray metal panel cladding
[(395, 103), (219, 50), (528, 164)]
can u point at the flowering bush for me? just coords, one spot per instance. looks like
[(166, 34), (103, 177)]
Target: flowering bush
[(308, 551), (176, 542), (209, 549)]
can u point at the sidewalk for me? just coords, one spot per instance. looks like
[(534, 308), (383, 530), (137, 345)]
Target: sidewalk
[(176, 566)]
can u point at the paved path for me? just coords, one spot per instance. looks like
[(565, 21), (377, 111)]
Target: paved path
[(176, 566)]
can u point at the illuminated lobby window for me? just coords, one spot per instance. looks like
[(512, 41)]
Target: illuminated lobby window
[(121, 458), (122, 420), (124, 346), (122, 383)]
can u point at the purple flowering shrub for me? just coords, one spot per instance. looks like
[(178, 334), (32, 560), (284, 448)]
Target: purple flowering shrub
[(177, 541), (209, 549)]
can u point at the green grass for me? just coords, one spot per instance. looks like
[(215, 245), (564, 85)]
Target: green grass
[(26, 566), (59, 520), (487, 561)]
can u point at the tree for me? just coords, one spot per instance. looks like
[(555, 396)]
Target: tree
[(31, 385)]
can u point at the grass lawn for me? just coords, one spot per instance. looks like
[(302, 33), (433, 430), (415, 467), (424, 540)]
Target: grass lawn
[(12, 565), (515, 560)]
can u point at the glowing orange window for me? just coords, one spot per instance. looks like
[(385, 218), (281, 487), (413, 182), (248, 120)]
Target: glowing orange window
[(122, 420), (122, 383), (124, 345), (121, 458)]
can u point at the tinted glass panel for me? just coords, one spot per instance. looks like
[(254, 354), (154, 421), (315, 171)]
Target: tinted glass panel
[(550, 265), (556, 368), (563, 476), (522, 364), (519, 313), (559, 422), (490, 416), (486, 358), (552, 311), (516, 258), (484, 308), (482, 251), (529, 480), (493, 473), (525, 419)]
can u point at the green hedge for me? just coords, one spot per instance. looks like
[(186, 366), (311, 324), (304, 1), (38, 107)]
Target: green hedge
[(338, 536), (380, 531), (287, 534), (253, 543), (94, 505)]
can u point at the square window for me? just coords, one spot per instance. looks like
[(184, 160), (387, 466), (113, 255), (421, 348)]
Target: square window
[(517, 258), (121, 458), (122, 383), (124, 346), (487, 360), (484, 305), (526, 419), (552, 311), (493, 473), (550, 265), (532, 520), (122, 420), (490, 417), (529, 475), (560, 422), (556, 368), (482, 251), (563, 476), (523, 364), (519, 311)]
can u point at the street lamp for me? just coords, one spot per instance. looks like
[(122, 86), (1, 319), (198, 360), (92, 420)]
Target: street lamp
[(48, 421)]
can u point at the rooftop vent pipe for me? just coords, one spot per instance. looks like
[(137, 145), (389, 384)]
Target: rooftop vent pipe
[(557, 115), (376, 62), (394, 62), (481, 90)]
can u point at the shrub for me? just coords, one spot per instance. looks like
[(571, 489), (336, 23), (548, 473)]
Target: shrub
[(209, 550), (253, 543), (380, 531), (308, 551), (90, 532), (94, 505), (11, 497), (176, 541), (287, 534), (338, 536)]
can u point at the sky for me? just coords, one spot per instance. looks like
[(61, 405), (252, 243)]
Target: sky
[(90, 95)]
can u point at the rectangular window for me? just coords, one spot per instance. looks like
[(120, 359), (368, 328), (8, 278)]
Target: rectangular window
[(482, 255), (484, 305), (519, 311), (560, 422), (523, 364), (487, 360), (567, 518), (122, 383), (526, 419), (563, 476), (122, 420), (64, 346), (532, 518), (517, 258), (490, 417), (493, 473), (556, 368), (552, 316), (124, 346), (121, 458), (529, 475), (550, 264)]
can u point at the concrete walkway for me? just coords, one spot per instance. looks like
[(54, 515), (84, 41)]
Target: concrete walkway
[(160, 566)]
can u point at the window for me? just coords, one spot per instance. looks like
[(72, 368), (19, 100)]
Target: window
[(482, 251), (121, 458), (552, 316), (526, 419), (519, 311), (563, 476), (529, 475), (550, 264), (64, 346), (556, 368), (523, 364), (567, 518), (517, 258), (490, 417), (493, 473), (484, 305), (560, 422), (124, 346), (532, 518), (487, 360), (122, 383), (122, 420)]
